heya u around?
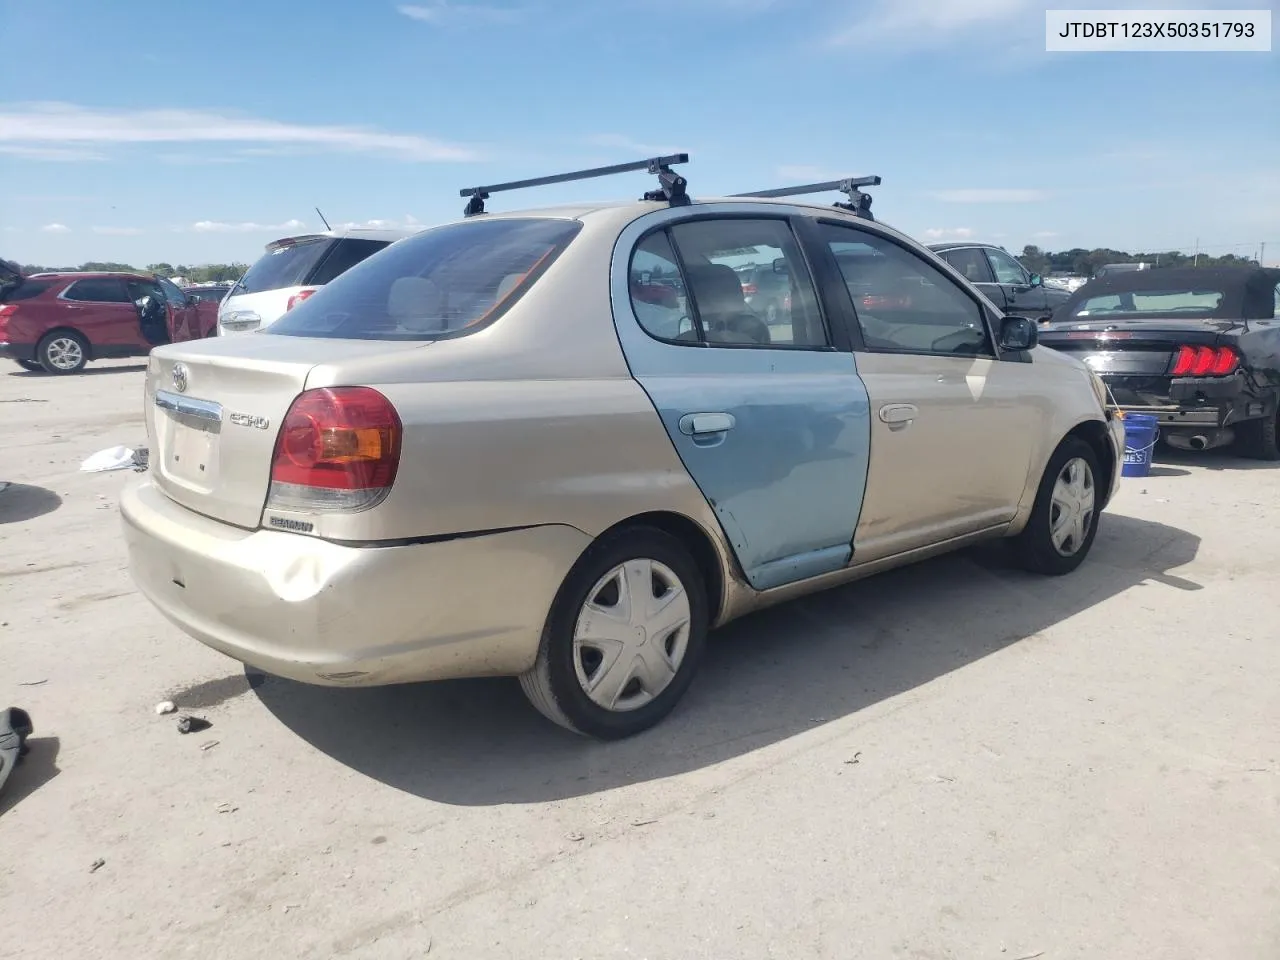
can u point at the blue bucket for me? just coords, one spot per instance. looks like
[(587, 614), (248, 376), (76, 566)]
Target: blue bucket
[(1141, 431)]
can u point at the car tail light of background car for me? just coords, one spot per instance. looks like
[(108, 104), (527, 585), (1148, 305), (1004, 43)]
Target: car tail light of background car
[(298, 297), (749, 288), (338, 449), (1205, 362)]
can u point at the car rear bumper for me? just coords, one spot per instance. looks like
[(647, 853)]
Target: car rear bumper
[(324, 613), (1194, 406), (18, 351)]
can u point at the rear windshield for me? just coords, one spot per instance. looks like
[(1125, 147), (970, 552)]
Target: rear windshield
[(436, 284), (285, 266), (344, 255), (23, 290), (1162, 302)]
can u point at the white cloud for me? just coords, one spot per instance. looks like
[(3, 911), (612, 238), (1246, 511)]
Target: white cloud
[(442, 12), (989, 196), (1044, 235), (55, 228), (47, 126), (68, 154), (410, 222), (925, 21), (624, 144), (948, 233), (219, 226), (117, 231)]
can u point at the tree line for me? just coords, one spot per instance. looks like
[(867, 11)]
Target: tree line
[(1085, 263), (204, 273)]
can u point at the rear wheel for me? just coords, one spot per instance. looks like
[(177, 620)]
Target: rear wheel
[(1256, 439), (29, 365), (624, 637), (1064, 519), (63, 352)]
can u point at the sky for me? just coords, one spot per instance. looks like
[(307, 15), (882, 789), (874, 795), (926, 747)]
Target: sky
[(147, 132)]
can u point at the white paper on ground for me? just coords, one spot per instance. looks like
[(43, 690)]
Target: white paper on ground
[(114, 458)]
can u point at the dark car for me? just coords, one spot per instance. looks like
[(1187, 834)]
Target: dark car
[(1197, 347), (1005, 282), (767, 291), (58, 322), (208, 293)]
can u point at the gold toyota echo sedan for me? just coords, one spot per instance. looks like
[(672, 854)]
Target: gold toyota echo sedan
[(559, 445)]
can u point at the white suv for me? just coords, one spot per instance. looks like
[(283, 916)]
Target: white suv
[(292, 269)]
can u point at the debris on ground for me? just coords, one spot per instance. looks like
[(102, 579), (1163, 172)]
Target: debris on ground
[(642, 823), (141, 457), (226, 807), (165, 706), (32, 683), (209, 745), (575, 836), (854, 759), (113, 458), (97, 865), (193, 724)]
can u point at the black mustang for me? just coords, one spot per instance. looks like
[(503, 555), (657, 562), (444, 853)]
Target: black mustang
[(1197, 347)]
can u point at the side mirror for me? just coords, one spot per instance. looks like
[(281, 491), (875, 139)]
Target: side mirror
[(1037, 280), (1018, 334)]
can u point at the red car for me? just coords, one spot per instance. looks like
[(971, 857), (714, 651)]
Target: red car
[(58, 322)]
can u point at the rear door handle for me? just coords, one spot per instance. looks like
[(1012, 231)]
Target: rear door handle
[(898, 412), (695, 424)]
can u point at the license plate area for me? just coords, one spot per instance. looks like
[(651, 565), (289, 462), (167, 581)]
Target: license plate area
[(190, 430)]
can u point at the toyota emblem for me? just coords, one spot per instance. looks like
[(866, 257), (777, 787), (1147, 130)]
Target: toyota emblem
[(180, 377)]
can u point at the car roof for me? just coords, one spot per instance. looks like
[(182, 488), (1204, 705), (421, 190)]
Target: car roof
[(344, 233), (92, 274), (1247, 291), (963, 244)]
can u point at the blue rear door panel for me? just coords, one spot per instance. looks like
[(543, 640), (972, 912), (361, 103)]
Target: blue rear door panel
[(787, 480)]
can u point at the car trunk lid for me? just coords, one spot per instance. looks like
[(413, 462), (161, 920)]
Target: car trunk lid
[(1135, 357), (214, 409)]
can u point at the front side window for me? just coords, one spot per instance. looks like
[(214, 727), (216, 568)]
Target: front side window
[(726, 282), (1007, 269), (172, 293), (97, 290), (970, 263), (442, 282), (903, 303)]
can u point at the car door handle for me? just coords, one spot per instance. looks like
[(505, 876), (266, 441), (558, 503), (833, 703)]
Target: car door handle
[(695, 424), (898, 412)]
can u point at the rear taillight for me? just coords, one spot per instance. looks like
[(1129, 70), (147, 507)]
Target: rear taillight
[(297, 298), (338, 449), (750, 289), (7, 310), (1205, 362)]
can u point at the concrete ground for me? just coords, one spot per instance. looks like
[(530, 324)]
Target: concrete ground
[(950, 761)]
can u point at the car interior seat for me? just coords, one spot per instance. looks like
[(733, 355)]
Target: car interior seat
[(717, 292)]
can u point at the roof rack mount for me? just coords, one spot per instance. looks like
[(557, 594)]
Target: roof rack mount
[(673, 188), (859, 202)]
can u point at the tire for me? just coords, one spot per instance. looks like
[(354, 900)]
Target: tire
[(1035, 547), (1257, 439), (63, 352), (647, 674), (30, 365)]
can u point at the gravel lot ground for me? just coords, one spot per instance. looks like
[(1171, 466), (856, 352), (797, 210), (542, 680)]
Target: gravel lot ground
[(950, 761)]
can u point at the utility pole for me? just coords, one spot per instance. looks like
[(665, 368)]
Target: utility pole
[(1262, 254), (1196, 262)]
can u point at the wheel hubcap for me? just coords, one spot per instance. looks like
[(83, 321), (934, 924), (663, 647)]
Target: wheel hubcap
[(1071, 509), (632, 635), (64, 353)]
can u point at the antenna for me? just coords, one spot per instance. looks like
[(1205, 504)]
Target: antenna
[(323, 220)]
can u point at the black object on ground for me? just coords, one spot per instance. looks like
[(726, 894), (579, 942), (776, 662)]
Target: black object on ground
[(15, 727), (193, 724)]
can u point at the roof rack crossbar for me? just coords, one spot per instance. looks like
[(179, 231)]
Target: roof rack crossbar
[(859, 202), (673, 186)]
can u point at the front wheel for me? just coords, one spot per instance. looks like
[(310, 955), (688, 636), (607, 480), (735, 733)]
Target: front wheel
[(1064, 519), (624, 637), (63, 352)]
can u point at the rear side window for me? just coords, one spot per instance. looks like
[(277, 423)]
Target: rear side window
[(971, 263), (344, 255), (25, 291), (97, 290), (286, 266), (440, 283)]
